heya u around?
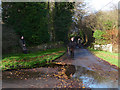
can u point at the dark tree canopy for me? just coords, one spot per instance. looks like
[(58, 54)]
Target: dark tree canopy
[(34, 20), (62, 20), (28, 19)]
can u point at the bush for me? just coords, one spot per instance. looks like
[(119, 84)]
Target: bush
[(99, 38)]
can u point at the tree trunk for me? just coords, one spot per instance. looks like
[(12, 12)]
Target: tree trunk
[(50, 20)]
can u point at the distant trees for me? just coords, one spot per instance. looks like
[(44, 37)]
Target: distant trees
[(105, 25), (79, 27), (98, 28), (102, 20)]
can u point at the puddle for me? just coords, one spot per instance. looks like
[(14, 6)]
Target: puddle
[(92, 79), (93, 83)]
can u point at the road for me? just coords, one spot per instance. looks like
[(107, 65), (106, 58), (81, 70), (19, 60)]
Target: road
[(95, 72)]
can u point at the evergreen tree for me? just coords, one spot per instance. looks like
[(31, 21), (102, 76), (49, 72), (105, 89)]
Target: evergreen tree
[(27, 19), (62, 20)]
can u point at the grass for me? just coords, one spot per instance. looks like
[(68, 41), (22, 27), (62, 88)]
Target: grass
[(31, 60), (112, 58)]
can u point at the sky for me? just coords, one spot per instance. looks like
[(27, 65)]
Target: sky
[(96, 5)]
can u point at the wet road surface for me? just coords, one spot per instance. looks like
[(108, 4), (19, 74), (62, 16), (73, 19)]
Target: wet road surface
[(94, 72), (84, 70)]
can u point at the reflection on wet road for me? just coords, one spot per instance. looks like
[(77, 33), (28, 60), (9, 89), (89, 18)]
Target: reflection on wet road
[(93, 72), (93, 79)]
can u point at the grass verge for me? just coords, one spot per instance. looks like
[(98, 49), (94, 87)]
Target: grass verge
[(112, 58), (31, 60)]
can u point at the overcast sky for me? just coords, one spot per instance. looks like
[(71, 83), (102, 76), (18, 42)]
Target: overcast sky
[(96, 5)]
